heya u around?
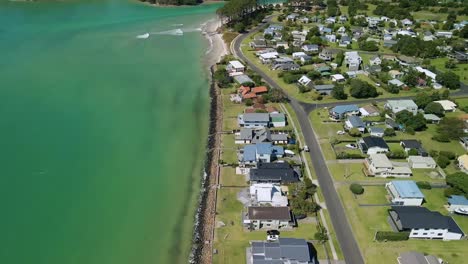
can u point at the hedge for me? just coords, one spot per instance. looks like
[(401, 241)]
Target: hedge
[(424, 185), (391, 236)]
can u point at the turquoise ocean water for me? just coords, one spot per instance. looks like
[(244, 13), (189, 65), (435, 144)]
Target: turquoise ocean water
[(102, 135)]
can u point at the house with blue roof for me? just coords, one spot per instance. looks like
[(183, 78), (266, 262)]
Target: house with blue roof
[(340, 111), (456, 202), (355, 122), (404, 193), (260, 152)]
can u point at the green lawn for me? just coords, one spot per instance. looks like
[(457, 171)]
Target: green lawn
[(230, 111), (229, 149), (461, 69), (365, 221)]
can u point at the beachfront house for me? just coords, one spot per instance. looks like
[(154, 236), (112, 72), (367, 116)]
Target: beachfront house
[(235, 68), (267, 194), (280, 173), (268, 217), (283, 251), (259, 135), (404, 193), (260, 152), (253, 120)]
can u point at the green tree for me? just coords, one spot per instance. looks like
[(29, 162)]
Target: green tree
[(338, 92), (222, 78), (411, 122), (459, 181), (449, 79), (362, 89), (451, 128), (339, 58), (389, 132), (356, 188), (434, 108)]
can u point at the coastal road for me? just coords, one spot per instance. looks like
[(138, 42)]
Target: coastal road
[(342, 228)]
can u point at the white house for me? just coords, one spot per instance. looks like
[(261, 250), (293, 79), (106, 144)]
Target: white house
[(444, 34), (375, 60), (427, 72), (337, 78), (447, 105), (268, 194), (421, 223), (310, 48), (304, 80), (278, 119), (267, 57), (369, 110), (399, 105), (330, 37), (268, 217), (456, 202), (420, 162), (355, 122), (235, 68), (376, 131), (405, 193), (352, 60), (298, 55), (463, 163), (252, 120), (378, 165)]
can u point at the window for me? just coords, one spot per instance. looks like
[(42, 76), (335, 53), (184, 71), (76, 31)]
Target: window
[(424, 234), (440, 234), (415, 234)]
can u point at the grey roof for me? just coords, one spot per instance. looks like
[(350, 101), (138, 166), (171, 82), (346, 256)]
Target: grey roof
[(376, 130), (411, 143), (269, 213), (285, 250), (324, 87), (243, 79), (273, 172), (356, 121), (375, 142), (413, 257), (257, 135), (420, 217), (256, 117)]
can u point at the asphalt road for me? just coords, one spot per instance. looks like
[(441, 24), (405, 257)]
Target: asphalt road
[(342, 228)]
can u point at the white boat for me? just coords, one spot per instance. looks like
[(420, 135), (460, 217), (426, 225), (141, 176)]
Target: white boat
[(461, 211), (143, 36)]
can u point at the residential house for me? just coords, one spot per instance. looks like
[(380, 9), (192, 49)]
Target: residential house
[(352, 60), (372, 145), (326, 55), (420, 162), (304, 80), (245, 92), (341, 30), (330, 38), (298, 55), (235, 68), (283, 251), (343, 18), (409, 144), (283, 44), (292, 17), (355, 122), (459, 56), (424, 224), (464, 142), (395, 74), (428, 36), (330, 20), (242, 79), (406, 22), (251, 120), (396, 83), (405, 193), (456, 202), (340, 111), (397, 106), (325, 89), (345, 41), (413, 257), (447, 105), (444, 34), (278, 119), (281, 173), (373, 21), (432, 119), (260, 152), (369, 110), (305, 59), (304, 20), (286, 67), (426, 72), (338, 78), (268, 217), (389, 43), (376, 131), (266, 58), (375, 60), (463, 163), (390, 123), (259, 135), (378, 165), (267, 194), (310, 48), (387, 37)]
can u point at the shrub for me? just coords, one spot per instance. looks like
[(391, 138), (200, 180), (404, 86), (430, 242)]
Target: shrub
[(413, 152), (389, 132), (443, 161), (356, 188), (391, 236), (398, 154), (424, 185), (441, 138), (354, 132), (450, 155), (248, 102)]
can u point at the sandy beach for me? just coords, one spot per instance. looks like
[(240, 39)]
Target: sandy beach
[(217, 48)]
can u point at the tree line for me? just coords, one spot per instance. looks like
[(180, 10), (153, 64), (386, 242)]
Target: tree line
[(174, 2)]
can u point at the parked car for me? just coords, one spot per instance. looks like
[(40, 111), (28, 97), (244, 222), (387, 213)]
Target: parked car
[(272, 235), (340, 132), (351, 146), (306, 149)]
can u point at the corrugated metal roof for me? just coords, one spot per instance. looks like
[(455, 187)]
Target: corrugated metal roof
[(407, 189)]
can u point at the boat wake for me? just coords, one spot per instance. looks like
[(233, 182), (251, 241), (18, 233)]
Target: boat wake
[(143, 36), (173, 32)]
